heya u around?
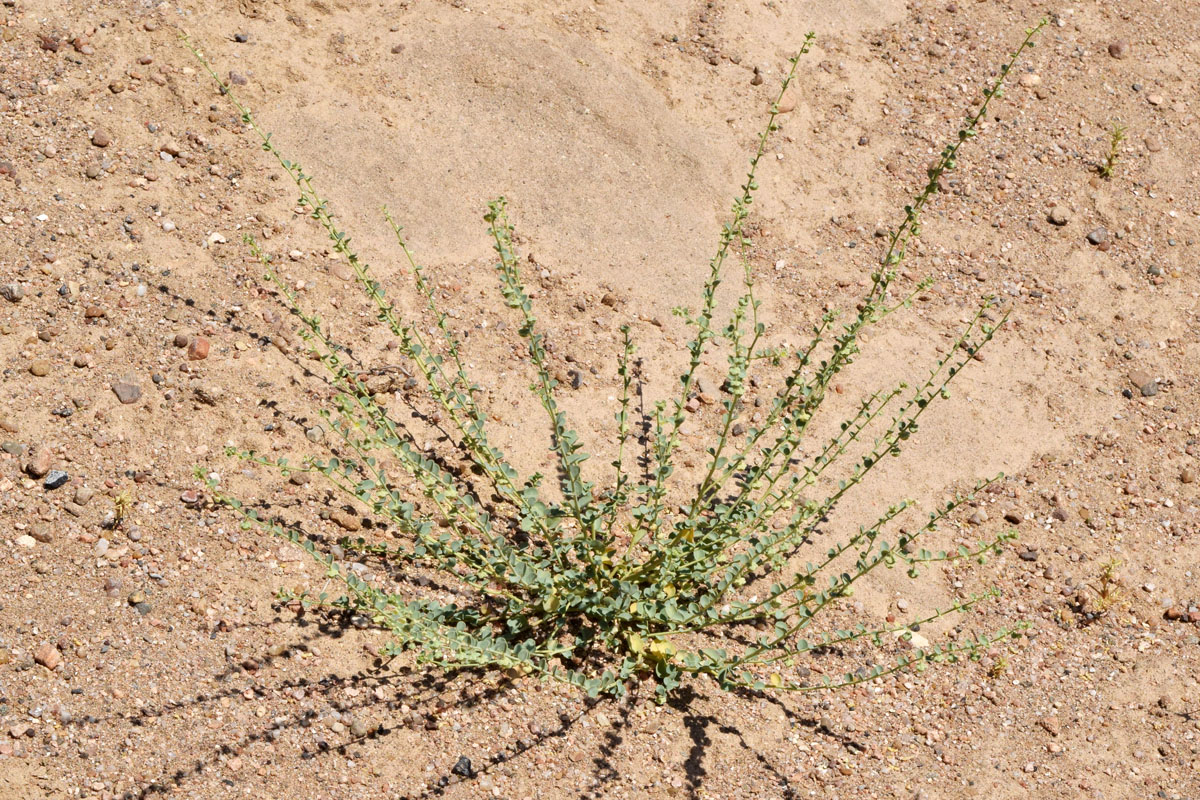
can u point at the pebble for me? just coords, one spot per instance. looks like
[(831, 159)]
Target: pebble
[(55, 479), (47, 655), (198, 349), (12, 448), (1188, 475), (315, 434), (40, 368), (84, 495), (462, 767), (39, 465), (26, 541), (359, 729), (41, 533), (94, 312), (100, 547), (1060, 215), (12, 292), (168, 225), (1119, 48), (101, 138), (1029, 555), (1098, 236), (127, 392)]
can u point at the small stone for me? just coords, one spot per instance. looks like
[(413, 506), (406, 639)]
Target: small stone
[(127, 392), (1030, 80), (1029, 555), (315, 434), (93, 312), (93, 171), (12, 292), (1119, 48), (902, 604), (101, 138), (359, 729), (198, 349), (39, 465), (181, 340), (1060, 215), (237, 78), (1098, 236), (168, 226), (41, 533), (1155, 99), (40, 368), (12, 448), (100, 547), (1013, 518), (1051, 725), (26, 541), (136, 598), (1153, 144), (462, 767), (84, 495), (55, 479), (1188, 475), (48, 656), (978, 518), (116, 87), (189, 497)]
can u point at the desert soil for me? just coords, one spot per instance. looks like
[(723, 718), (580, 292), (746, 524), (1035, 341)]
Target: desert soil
[(151, 659)]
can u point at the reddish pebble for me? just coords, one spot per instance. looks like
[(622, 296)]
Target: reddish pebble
[(47, 655), (198, 349), (190, 497)]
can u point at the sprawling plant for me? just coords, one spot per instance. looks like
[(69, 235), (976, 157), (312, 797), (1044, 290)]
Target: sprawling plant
[(646, 577)]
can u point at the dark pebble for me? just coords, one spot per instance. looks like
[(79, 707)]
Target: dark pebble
[(1029, 555), (463, 767), (56, 478)]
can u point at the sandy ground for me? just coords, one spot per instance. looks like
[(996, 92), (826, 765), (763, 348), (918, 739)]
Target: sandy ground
[(152, 661)]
